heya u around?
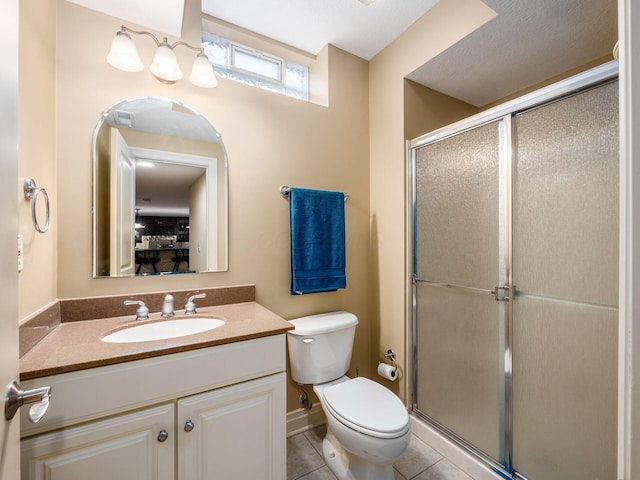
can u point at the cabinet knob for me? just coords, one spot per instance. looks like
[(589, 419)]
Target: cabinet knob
[(163, 435), (188, 426)]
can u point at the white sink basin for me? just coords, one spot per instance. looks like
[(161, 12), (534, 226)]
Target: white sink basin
[(163, 330)]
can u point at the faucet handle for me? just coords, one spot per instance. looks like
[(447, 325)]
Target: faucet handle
[(142, 313), (190, 307)]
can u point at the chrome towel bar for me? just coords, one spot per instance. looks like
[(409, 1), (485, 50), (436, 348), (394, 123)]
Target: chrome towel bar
[(286, 189)]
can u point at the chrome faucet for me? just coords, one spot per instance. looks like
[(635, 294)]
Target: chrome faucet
[(167, 306), (142, 313), (190, 307)]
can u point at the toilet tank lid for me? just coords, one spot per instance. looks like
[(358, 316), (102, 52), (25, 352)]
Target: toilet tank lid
[(323, 323)]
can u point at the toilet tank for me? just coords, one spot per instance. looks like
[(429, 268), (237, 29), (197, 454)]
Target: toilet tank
[(320, 346)]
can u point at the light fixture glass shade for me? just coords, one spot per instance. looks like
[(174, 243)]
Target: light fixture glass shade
[(202, 73), (123, 54), (165, 64)]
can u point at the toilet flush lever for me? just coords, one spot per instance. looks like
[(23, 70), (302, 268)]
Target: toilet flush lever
[(16, 397)]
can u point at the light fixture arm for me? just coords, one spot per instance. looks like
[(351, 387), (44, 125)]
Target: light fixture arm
[(129, 30), (165, 40), (181, 42)]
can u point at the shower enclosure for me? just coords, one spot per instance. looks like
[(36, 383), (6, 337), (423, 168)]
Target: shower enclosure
[(514, 280)]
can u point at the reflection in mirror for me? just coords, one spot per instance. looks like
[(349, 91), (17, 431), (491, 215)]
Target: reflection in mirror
[(159, 191)]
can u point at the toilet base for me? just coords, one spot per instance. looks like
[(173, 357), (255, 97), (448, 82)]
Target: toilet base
[(347, 466)]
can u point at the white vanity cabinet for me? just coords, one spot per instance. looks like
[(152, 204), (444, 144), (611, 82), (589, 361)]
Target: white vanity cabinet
[(213, 413), (125, 446), (232, 433)]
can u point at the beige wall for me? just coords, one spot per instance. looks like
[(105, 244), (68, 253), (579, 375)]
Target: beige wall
[(36, 148), (425, 110), (270, 140), (442, 26), (354, 143)]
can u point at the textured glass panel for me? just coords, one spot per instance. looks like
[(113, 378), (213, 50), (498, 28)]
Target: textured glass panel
[(262, 71), (457, 209), (565, 390), (459, 369), (566, 198), (217, 49), (296, 80)]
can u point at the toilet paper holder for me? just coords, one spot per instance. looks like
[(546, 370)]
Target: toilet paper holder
[(390, 372), (391, 355)]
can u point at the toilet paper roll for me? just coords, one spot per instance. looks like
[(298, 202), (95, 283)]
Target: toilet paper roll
[(387, 371)]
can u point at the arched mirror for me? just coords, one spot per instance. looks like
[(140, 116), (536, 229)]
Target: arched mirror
[(159, 191)]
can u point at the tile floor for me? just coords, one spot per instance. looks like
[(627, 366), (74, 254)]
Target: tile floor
[(420, 462)]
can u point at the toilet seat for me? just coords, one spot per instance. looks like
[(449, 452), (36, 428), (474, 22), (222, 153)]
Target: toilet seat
[(367, 407)]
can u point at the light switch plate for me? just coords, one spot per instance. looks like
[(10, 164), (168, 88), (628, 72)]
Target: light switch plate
[(20, 253)]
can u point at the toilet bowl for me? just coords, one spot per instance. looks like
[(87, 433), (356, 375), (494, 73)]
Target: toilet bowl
[(367, 424), (368, 428)]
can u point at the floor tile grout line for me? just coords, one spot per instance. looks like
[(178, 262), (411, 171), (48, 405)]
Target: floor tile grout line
[(422, 471), (310, 443), (319, 451), (311, 439), (310, 472)]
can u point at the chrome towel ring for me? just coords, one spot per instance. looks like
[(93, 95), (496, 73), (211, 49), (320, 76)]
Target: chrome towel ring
[(31, 192)]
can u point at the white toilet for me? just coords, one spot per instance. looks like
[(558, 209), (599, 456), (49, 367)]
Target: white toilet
[(367, 424)]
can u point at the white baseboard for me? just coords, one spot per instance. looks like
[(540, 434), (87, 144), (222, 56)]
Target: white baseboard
[(445, 447), (304, 419)]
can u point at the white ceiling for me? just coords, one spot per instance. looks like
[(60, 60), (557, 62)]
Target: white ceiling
[(528, 42), (309, 25), (161, 15)]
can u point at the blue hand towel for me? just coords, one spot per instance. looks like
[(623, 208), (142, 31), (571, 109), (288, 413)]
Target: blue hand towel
[(317, 241)]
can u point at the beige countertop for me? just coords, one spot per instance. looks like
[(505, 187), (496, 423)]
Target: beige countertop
[(77, 345)]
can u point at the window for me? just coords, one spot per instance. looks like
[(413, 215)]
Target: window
[(253, 67)]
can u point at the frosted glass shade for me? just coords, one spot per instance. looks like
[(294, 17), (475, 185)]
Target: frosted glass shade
[(165, 64), (202, 73), (123, 54)]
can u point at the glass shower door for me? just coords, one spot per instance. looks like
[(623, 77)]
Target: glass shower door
[(565, 250), (459, 260), (515, 282)]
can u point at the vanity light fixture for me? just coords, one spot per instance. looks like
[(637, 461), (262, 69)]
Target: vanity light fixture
[(124, 56)]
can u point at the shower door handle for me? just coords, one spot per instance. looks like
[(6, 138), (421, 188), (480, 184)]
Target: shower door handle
[(502, 294)]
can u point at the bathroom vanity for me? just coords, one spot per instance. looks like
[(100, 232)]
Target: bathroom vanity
[(213, 409)]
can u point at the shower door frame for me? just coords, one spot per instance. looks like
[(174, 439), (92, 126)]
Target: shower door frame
[(501, 113)]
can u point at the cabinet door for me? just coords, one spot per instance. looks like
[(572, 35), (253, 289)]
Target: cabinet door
[(238, 432), (123, 447)]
